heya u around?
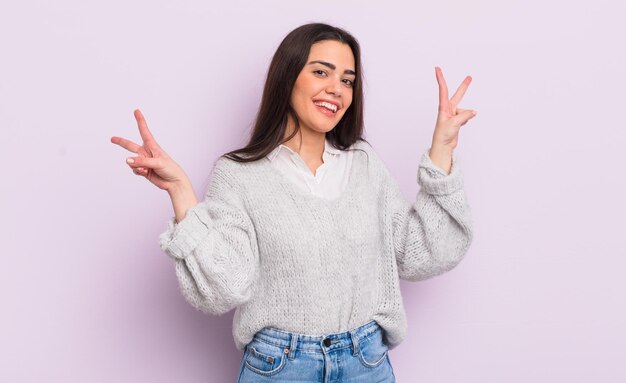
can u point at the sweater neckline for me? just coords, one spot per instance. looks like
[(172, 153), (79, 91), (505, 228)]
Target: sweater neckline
[(284, 181)]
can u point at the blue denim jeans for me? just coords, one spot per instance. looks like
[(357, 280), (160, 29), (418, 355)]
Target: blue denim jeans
[(358, 355)]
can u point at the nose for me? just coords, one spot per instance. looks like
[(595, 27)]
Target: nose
[(334, 87)]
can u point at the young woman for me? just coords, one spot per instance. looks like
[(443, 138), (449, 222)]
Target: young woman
[(304, 231)]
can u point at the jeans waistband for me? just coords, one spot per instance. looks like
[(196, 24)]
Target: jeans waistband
[(322, 343)]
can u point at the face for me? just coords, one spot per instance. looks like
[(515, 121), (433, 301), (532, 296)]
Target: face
[(323, 90)]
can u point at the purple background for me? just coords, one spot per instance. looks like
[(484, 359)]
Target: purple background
[(86, 293)]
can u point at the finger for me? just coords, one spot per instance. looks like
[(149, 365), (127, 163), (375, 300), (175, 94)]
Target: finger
[(460, 92), (139, 172), (146, 136), (443, 87), (145, 162), (462, 118), (126, 144)]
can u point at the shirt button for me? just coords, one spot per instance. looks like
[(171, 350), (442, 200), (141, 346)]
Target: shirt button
[(327, 342)]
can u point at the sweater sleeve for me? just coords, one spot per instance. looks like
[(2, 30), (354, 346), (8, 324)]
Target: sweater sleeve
[(214, 247), (431, 235)]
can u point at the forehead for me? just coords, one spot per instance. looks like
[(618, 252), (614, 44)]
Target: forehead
[(334, 52)]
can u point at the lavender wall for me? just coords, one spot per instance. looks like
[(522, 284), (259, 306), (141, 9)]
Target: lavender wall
[(86, 293)]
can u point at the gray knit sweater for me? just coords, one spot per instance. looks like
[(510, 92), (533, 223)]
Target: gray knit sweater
[(287, 259)]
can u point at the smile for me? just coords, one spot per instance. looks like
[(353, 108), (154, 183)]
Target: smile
[(327, 105)]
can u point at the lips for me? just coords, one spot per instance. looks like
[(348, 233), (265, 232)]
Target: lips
[(329, 108)]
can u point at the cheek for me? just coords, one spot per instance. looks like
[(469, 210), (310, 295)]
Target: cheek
[(301, 104), (296, 100), (348, 102)]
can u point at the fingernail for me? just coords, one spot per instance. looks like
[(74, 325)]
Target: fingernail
[(474, 112), (130, 160)]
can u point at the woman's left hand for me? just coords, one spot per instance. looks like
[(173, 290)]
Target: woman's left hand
[(450, 118)]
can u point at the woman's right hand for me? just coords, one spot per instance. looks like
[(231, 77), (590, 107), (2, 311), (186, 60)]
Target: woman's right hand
[(152, 162)]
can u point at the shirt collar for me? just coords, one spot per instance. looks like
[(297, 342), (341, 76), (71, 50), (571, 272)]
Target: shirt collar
[(328, 148)]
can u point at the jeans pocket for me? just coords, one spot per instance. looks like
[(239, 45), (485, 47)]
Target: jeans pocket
[(264, 359), (372, 350)]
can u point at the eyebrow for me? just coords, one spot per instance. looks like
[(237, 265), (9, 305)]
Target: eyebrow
[(332, 66)]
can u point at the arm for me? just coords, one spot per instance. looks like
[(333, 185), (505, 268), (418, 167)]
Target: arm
[(214, 247), (432, 235), (183, 198), (213, 242)]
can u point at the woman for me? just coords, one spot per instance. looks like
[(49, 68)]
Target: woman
[(304, 231)]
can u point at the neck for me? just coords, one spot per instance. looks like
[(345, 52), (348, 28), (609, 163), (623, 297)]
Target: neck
[(307, 143)]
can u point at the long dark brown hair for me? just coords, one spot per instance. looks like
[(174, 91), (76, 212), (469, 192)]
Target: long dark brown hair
[(287, 63)]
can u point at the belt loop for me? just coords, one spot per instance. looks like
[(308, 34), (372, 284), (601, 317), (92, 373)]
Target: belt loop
[(292, 348), (355, 342)]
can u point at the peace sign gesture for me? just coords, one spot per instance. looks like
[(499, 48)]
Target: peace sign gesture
[(450, 118), (152, 162)]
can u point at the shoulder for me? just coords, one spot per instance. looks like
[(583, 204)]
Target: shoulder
[(366, 148), (239, 176), (369, 155), (234, 168), (361, 144)]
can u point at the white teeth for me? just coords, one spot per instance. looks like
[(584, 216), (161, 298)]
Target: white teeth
[(327, 105)]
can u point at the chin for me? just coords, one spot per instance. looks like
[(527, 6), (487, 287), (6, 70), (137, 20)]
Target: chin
[(326, 130)]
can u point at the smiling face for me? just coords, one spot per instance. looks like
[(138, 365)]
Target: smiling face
[(323, 90)]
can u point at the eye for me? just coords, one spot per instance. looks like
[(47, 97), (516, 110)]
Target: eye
[(348, 82), (320, 73)]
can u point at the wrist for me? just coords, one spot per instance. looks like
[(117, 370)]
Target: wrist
[(179, 188), (441, 156), (438, 147), (183, 198)]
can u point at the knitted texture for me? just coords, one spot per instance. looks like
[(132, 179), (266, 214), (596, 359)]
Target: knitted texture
[(288, 259)]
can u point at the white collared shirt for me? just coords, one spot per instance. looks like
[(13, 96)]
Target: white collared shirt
[(330, 178)]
